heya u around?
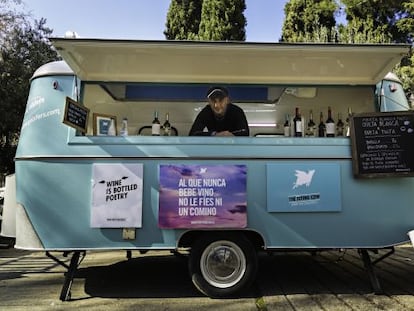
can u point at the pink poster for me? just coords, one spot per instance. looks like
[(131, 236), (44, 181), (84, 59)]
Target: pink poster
[(202, 196)]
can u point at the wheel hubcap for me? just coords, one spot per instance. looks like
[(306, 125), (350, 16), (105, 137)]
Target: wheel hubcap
[(223, 264)]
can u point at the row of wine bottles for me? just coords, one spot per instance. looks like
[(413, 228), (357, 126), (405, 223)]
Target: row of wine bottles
[(157, 129), (327, 128), (295, 128)]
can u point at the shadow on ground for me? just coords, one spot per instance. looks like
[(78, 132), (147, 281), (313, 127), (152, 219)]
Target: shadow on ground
[(281, 274)]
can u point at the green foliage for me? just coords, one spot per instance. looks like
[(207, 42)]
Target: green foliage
[(406, 23), (367, 21), (376, 21), (378, 16), (8, 17), (206, 20), (405, 71), (223, 20), (25, 49), (360, 30), (183, 19), (382, 21), (309, 21)]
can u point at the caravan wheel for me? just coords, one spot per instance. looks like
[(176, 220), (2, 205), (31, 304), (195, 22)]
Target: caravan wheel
[(221, 266)]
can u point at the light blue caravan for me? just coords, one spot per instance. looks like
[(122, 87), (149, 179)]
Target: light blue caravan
[(223, 199)]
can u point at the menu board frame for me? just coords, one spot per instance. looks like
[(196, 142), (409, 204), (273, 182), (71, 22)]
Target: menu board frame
[(70, 104), (382, 149)]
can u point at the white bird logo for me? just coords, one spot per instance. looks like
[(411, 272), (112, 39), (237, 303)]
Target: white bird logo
[(303, 178), (203, 170)]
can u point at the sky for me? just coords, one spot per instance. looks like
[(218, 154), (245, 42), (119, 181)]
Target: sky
[(142, 19)]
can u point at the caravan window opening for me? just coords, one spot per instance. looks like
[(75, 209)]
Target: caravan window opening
[(265, 106)]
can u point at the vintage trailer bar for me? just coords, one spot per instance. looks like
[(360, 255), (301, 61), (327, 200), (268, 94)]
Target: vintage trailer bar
[(224, 199)]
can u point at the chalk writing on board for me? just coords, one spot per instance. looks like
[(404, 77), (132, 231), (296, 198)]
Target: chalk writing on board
[(383, 144), (76, 115)]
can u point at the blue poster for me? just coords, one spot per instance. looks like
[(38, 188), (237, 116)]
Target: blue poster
[(303, 187), (202, 196)]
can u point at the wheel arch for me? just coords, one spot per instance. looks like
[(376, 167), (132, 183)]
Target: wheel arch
[(187, 239)]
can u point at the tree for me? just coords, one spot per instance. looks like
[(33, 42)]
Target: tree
[(368, 21), (406, 23), (8, 17), (406, 70), (223, 20), (382, 21), (363, 30), (183, 19), (25, 49), (309, 21), (375, 21), (206, 20)]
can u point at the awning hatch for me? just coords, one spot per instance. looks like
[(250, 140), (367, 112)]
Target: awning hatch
[(228, 62)]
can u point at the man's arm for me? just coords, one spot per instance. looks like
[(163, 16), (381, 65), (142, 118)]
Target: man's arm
[(199, 125), (242, 127)]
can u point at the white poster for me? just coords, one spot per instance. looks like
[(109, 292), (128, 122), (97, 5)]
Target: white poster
[(117, 196)]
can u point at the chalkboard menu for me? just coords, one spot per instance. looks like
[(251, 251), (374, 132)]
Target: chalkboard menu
[(383, 144), (76, 115)]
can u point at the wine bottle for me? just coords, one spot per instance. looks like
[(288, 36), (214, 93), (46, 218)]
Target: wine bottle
[(286, 126), (156, 126), (297, 123), (310, 130), (339, 126), (330, 124), (111, 128), (124, 127), (167, 126), (347, 124), (321, 126)]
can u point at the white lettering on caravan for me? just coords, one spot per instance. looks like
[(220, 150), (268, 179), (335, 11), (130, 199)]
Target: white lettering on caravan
[(36, 101), (40, 116)]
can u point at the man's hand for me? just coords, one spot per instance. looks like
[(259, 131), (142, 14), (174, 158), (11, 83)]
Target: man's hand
[(224, 133)]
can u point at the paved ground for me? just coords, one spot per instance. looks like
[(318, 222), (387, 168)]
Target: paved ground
[(287, 281)]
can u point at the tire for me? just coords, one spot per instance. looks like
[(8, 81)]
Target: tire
[(222, 265)]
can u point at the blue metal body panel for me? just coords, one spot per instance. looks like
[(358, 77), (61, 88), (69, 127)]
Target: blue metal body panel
[(57, 196), (54, 168)]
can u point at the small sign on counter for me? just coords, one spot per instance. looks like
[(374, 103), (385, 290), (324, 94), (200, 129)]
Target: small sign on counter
[(383, 144), (76, 115)]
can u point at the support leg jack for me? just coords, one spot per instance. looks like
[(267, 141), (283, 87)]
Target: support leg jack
[(369, 266), (75, 261)]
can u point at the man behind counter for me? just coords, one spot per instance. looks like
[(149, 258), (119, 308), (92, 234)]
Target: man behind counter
[(220, 117)]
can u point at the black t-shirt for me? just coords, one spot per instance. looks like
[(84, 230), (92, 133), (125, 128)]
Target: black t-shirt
[(233, 121)]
